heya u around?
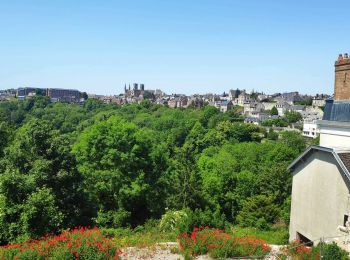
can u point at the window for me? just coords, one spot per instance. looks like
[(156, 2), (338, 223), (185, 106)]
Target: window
[(346, 218), (304, 239)]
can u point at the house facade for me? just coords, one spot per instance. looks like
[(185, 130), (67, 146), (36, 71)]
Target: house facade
[(321, 179)]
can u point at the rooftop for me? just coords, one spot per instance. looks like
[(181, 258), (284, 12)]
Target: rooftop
[(337, 110), (342, 157)]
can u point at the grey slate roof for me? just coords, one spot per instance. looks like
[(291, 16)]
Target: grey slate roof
[(337, 110), (341, 157), (298, 107), (345, 158)]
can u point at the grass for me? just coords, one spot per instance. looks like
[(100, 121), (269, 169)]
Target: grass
[(275, 236), (150, 236), (140, 238)]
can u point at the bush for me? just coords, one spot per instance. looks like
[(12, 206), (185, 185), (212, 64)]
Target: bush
[(185, 220), (77, 243), (296, 250), (332, 251), (258, 211), (200, 217), (171, 220), (219, 244), (275, 122)]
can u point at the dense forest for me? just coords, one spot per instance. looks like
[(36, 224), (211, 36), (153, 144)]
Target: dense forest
[(65, 165)]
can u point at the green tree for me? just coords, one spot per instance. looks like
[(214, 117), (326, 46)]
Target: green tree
[(40, 214), (123, 166), (293, 116), (274, 111), (84, 95), (293, 139), (5, 137), (39, 159), (272, 135)]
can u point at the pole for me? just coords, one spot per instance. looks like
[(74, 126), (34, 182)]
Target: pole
[(321, 244)]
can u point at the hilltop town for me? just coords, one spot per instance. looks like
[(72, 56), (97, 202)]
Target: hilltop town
[(280, 111)]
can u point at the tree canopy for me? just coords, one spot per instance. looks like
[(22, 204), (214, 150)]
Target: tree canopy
[(65, 165)]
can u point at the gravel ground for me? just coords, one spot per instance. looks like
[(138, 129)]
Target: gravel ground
[(160, 252), (163, 252)]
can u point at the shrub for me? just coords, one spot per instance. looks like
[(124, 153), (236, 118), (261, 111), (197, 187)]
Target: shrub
[(219, 244), (74, 244), (171, 219), (185, 220), (332, 251), (297, 250), (258, 211)]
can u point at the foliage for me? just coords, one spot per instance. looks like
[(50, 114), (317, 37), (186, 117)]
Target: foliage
[(79, 243), (274, 236), (171, 220), (258, 211), (293, 116), (64, 165), (123, 166), (40, 188), (293, 138), (278, 122), (332, 251), (219, 244), (274, 111), (297, 250), (306, 102), (272, 135), (140, 237)]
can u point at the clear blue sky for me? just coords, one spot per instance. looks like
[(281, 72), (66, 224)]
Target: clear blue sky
[(180, 46)]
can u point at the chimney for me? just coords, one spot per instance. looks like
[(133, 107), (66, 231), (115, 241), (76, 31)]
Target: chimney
[(340, 57), (342, 80)]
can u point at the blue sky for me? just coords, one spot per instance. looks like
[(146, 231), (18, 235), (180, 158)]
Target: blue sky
[(178, 46)]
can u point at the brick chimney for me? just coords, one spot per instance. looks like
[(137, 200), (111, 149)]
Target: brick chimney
[(342, 78)]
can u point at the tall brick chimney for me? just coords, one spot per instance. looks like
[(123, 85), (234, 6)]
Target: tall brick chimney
[(342, 78)]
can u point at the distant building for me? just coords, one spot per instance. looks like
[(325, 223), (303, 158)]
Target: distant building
[(242, 99), (318, 102), (283, 107), (252, 107), (298, 108), (290, 97), (55, 94), (63, 95), (223, 105), (252, 120), (269, 105), (233, 94), (178, 101), (22, 93), (310, 129)]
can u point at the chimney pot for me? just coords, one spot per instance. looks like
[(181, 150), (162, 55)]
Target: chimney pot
[(346, 56), (340, 57)]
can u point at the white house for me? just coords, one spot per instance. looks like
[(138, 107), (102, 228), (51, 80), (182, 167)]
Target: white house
[(282, 107), (318, 102), (321, 175), (310, 129)]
